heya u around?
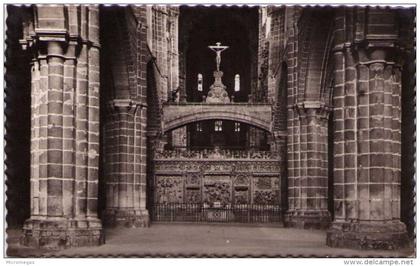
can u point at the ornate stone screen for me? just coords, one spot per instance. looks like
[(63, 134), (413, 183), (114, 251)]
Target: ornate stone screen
[(222, 180)]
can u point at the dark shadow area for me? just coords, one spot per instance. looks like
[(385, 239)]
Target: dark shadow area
[(232, 26), (106, 30), (221, 133), (408, 146), (18, 120), (280, 123), (331, 165), (236, 27), (153, 123)]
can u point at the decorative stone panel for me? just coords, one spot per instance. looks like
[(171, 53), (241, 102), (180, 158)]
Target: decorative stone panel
[(221, 177)]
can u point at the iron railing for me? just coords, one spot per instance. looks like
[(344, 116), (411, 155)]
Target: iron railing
[(243, 213)]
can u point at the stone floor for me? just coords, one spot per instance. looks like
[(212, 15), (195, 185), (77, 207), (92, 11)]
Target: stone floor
[(206, 240)]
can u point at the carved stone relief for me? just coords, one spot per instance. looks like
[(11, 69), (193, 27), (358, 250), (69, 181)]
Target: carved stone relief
[(266, 190), (217, 190), (169, 189), (217, 182)]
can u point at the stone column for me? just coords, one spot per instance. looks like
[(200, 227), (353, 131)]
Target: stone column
[(126, 164), (65, 128), (279, 146), (367, 144), (308, 167), (182, 75), (125, 138)]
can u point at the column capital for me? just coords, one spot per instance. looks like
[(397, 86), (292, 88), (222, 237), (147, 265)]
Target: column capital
[(48, 35), (312, 109), (124, 105)]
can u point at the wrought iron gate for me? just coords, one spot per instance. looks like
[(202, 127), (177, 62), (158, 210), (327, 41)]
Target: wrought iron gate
[(244, 213)]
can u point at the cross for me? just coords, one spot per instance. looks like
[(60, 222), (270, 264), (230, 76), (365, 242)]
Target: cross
[(218, 49)]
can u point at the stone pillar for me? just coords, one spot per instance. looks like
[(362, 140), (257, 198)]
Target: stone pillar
[(182, 76), (126, 164), (367, 144), (279, 146), (308, 167), (367, 137), (65, 128), (125, 136)]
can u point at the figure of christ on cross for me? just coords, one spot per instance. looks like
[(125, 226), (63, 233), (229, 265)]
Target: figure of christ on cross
[(218, 49)]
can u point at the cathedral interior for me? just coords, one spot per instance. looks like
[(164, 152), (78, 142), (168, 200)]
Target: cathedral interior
[(296, 116)]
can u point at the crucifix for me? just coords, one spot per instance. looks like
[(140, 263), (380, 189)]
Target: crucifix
[(218, 49)]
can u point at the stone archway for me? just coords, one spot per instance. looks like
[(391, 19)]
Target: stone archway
[(258, 115)]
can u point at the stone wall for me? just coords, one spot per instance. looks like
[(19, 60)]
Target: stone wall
[(259, 94), (163, 44)]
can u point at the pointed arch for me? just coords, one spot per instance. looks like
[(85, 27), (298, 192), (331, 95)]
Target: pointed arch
[(119, 39), (315, 48)]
